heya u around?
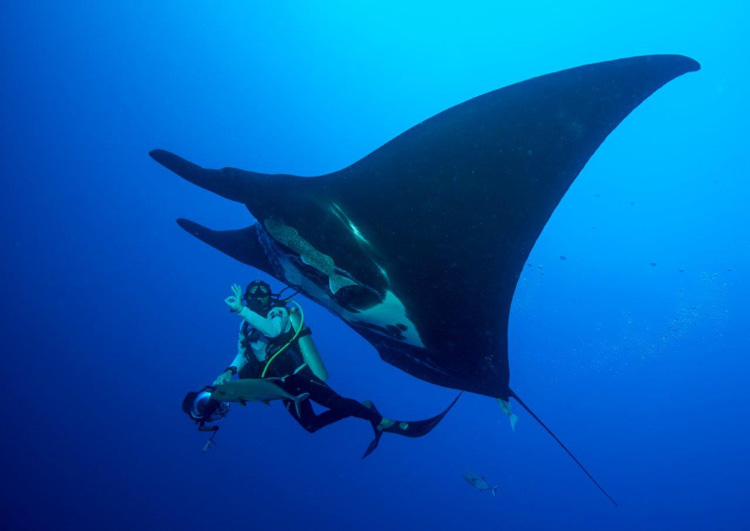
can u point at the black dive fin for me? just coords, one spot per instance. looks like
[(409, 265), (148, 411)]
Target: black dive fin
[(243, 245), (514, 395), (373, 444), (416, 428), (420, 428)]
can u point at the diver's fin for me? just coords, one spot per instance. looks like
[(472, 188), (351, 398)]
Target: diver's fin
[(297, 401), (543, 425), (373, 444), (419, 428), (242, 244)]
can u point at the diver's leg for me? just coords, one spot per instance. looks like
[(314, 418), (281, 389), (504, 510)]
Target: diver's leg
[(338, 407), (307, 418), (331, 416)]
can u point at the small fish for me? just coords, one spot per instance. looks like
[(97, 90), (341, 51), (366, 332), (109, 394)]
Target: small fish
[(505, 406), (479, 482), (563, 258), (653, 264)]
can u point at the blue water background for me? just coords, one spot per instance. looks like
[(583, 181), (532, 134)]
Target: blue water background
[(111, 312)]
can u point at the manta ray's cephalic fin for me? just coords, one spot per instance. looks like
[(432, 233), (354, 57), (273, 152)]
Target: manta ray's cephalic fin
[(243, 245), (235, 185)]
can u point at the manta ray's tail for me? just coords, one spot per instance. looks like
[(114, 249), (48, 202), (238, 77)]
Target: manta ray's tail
[(543, 425)]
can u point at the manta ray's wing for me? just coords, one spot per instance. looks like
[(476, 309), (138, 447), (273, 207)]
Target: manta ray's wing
[(455, 205), (432, 229)]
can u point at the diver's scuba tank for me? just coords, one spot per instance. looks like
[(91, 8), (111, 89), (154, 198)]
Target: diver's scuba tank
[(307, 346)]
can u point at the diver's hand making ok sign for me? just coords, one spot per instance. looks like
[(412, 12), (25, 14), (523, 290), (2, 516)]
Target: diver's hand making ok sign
[(235, 301)]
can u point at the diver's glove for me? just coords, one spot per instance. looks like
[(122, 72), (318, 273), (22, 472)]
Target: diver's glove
[(235, 301)]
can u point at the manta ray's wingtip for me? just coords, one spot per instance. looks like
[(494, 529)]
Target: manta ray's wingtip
[(675, 63), (689, 64), (694, 65)]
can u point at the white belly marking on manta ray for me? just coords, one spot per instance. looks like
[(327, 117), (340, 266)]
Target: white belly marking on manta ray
[(389, 314)]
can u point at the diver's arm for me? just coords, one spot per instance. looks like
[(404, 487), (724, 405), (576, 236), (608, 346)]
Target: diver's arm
[(240, 360), (272, 326)]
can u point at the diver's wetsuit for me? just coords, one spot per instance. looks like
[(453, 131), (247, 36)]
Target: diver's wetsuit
[(259, 338), (338, 407)]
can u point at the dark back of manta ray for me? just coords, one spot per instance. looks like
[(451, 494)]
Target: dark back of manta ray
[(462, 198)]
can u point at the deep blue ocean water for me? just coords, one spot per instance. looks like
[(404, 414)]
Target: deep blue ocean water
[(111, 312)]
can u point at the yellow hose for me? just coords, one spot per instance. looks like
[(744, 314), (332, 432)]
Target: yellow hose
[(294, 338)]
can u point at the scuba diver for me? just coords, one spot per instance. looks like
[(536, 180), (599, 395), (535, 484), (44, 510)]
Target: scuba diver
[(275, 348)]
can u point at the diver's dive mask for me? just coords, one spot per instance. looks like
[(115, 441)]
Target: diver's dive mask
[(257, 295), (201, 408)]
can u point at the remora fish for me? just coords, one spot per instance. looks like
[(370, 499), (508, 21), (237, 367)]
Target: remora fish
[(479, 482), (255, 390)]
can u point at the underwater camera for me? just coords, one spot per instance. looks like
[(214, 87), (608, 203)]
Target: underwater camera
[(201, 408)]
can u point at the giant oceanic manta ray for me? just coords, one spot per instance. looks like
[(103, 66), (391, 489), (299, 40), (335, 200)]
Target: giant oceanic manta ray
[(419, 245)]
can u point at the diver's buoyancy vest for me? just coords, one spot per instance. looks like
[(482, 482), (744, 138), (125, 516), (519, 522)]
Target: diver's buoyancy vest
[(285, 364)]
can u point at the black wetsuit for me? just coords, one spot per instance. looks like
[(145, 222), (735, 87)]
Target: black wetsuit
[(296, 381), (338, 407)]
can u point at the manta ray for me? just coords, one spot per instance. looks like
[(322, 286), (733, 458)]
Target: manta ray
[(419, 245)]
